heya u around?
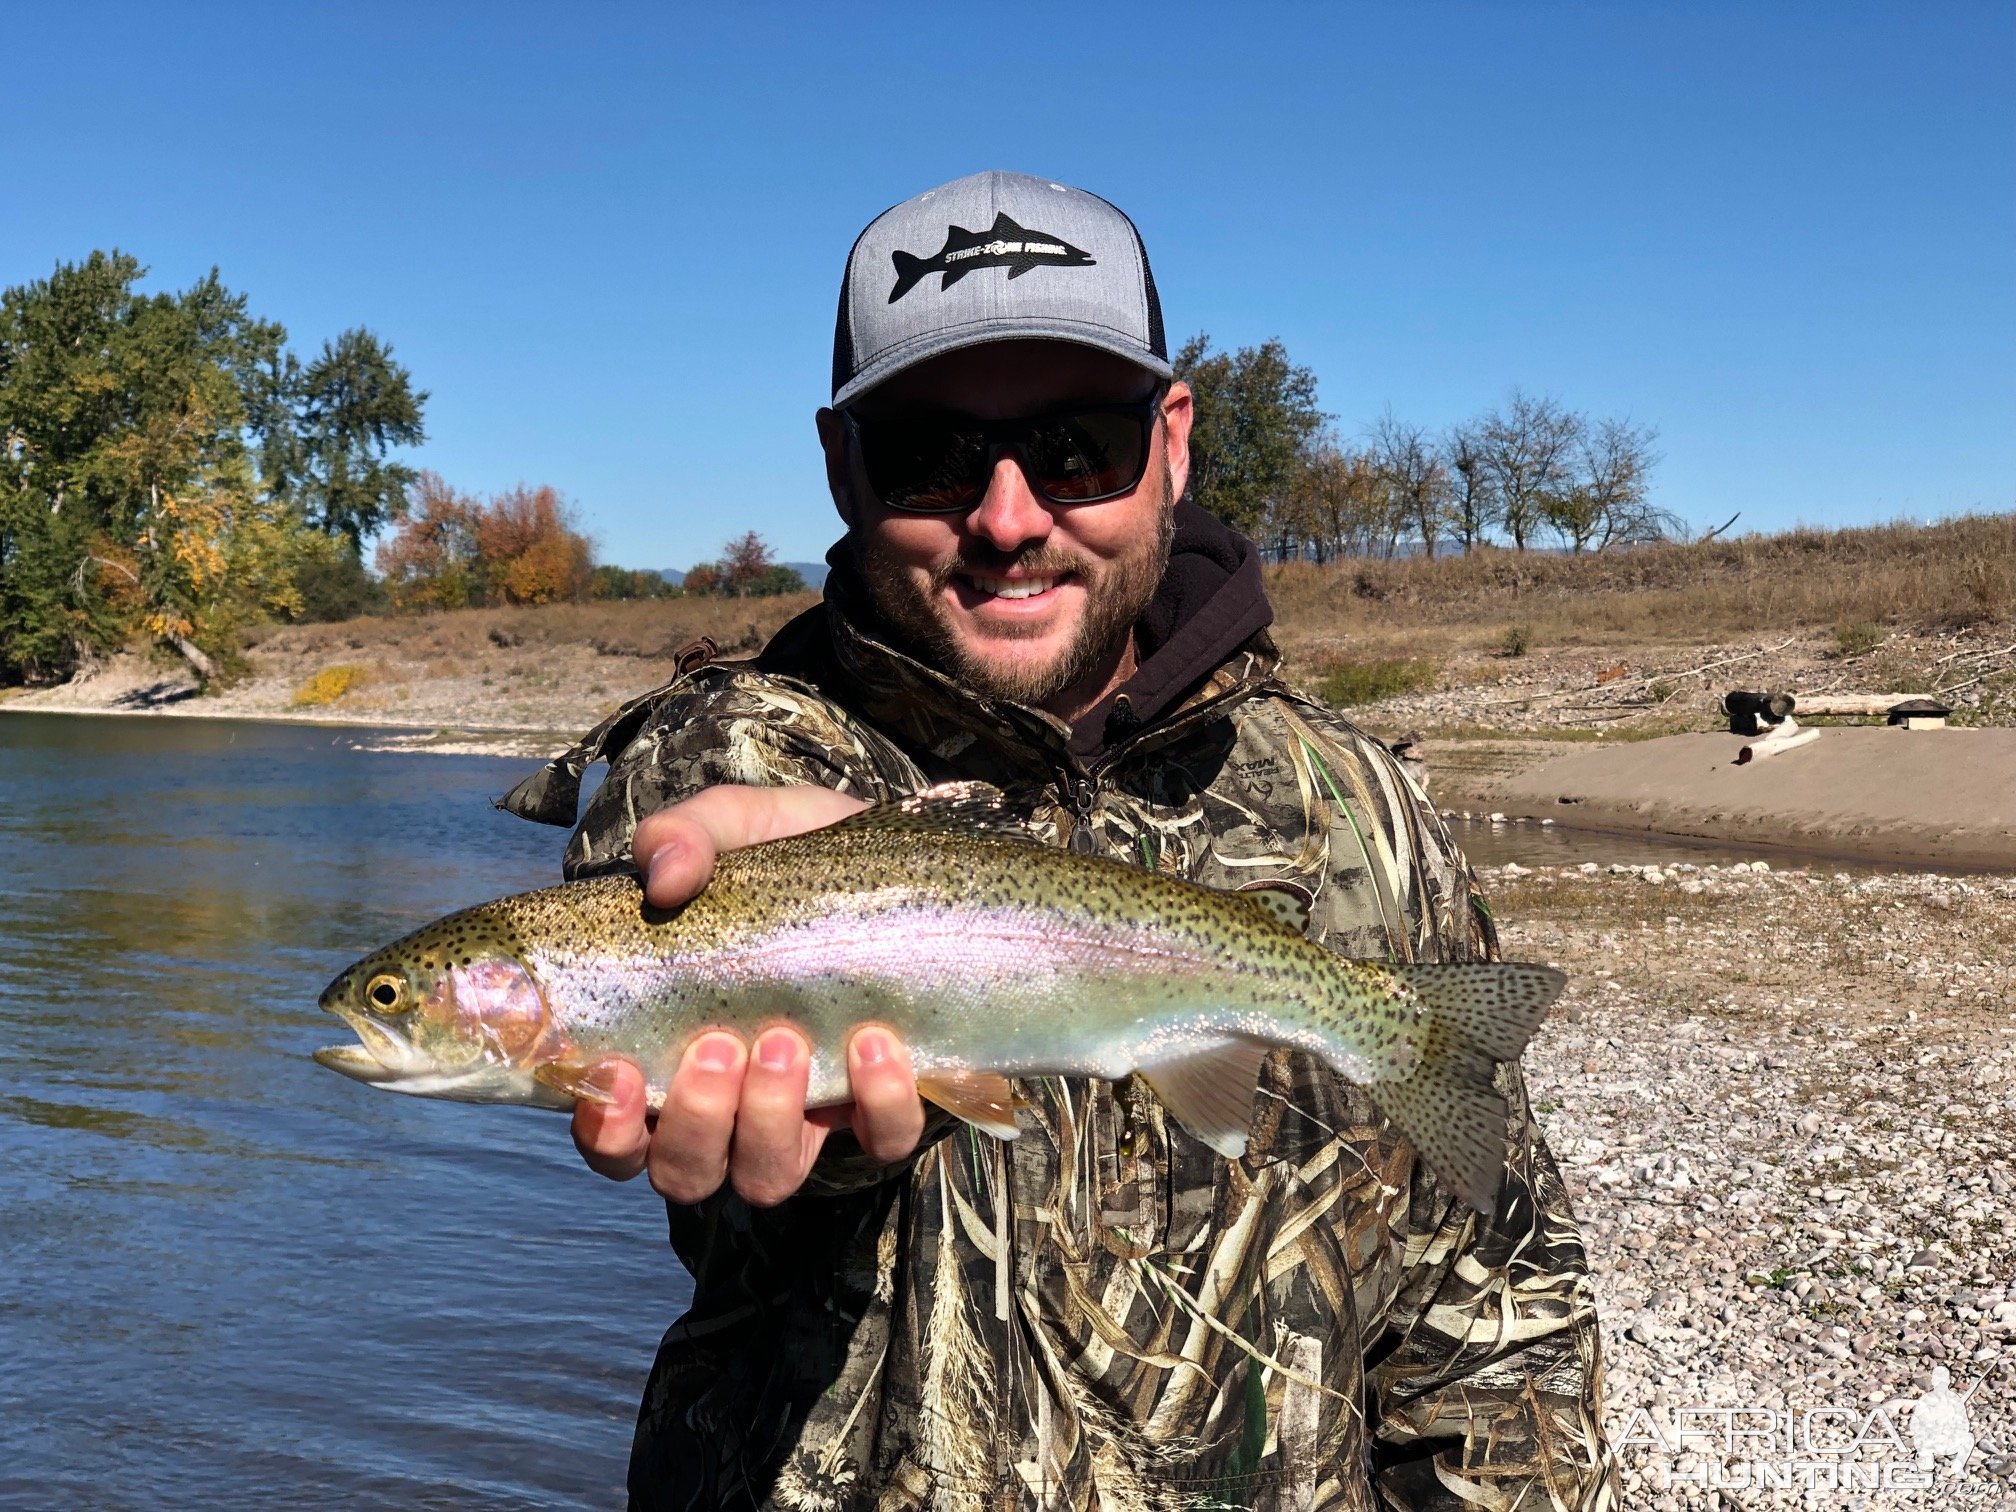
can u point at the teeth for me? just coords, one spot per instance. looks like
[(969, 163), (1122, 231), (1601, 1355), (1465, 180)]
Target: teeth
[(1020, 589)]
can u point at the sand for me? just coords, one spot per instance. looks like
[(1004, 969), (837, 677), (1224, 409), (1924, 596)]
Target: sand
[(1941, 797)]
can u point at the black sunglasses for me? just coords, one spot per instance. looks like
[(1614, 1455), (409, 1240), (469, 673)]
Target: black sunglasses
[(941, 463)]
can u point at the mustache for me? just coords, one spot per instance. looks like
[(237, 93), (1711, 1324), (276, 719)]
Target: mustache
[(1038, 561)]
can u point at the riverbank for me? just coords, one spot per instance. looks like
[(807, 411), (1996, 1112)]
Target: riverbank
[(1785, 1107)]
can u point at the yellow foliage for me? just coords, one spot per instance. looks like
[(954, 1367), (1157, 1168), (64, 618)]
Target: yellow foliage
[(330, 684)]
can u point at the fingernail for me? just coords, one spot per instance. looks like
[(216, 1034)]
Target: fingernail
[(872, 1048), (777, 1052), (715, 1052)]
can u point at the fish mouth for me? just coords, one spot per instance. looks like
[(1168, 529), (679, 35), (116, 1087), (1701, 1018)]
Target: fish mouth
[(379, 1056)]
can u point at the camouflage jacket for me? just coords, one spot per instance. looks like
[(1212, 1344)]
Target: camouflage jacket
[(1104, 1313)]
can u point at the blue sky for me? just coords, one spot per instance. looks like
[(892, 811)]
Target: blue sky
[(608, 239)]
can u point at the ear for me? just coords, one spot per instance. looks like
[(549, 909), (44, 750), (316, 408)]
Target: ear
[(839, 463), (1178, 411)]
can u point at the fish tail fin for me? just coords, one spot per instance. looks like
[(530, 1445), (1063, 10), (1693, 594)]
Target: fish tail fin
[(1474, 1015), (909, 268)]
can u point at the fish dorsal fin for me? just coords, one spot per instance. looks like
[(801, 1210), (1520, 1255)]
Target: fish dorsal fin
[(951, 808), (1286, 903), (1210, 1092)]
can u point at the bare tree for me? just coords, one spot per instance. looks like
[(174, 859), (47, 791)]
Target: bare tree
[(1474, 503), (1411, 466), (1617, 461), (1529, 451)]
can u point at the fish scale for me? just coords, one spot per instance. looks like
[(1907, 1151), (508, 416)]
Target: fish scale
[(991, 955)]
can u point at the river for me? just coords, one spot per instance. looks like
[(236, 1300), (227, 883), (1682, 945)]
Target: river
[(228, 1277)]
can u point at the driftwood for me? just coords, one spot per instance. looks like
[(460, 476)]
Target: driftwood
[(1851, 705), (1644, 682), (1785, 737)]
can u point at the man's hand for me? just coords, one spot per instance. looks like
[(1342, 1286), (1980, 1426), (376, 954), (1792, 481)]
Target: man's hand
[(732, 1115)]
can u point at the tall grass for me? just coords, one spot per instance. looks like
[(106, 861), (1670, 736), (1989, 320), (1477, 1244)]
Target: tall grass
[(1958, 572)]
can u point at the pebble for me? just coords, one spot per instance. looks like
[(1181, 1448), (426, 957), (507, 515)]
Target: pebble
[(1792, 1181)]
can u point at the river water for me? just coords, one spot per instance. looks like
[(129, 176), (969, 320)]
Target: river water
[(229, 1277)]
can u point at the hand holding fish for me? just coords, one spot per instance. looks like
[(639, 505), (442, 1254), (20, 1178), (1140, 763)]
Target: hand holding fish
[(729, 1115), (833, 930)]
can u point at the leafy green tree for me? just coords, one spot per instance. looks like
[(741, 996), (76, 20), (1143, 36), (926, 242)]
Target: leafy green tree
[(351, 406), (159, 454), (1256, 423)]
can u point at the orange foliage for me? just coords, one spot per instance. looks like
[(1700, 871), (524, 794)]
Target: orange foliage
[(529, 550), (451, 551)]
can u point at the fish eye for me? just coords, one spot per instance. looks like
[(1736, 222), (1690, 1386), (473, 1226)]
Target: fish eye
[(386, 993)]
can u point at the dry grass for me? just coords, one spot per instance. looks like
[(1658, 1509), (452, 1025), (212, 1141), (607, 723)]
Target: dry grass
[(639, 627), (1958, 572)]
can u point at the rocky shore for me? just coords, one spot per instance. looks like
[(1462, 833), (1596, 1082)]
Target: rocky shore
[(1785, 1104)]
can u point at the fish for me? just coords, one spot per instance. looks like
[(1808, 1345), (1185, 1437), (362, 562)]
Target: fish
[(990, 953), (1002, 245)]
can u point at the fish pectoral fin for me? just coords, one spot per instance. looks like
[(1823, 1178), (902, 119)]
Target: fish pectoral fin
[(582, 1080), (983, 1098), (1210, 1092)]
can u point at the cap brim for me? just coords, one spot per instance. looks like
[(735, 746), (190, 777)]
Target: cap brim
[(889, 363)]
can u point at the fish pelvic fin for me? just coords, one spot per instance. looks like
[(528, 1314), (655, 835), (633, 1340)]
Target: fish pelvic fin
[(1210, 1091), (983, 1098), (909, 269), (1474, 1015)]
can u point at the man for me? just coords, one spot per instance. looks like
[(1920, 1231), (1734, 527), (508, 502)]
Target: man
[(894, 1311)]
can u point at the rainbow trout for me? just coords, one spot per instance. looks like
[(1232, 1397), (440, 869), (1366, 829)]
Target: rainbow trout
[(991, 955)]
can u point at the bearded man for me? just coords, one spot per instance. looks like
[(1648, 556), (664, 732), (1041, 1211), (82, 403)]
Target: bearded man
[(893, 1311)]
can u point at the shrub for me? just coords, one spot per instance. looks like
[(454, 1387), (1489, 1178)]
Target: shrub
[(1345, 683), (1858, 638), (330, 684), (1518, 639)]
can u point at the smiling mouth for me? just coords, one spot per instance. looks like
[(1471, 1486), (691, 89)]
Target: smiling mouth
[(987, 586)]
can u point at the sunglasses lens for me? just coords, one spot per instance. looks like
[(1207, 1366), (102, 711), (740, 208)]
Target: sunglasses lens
[(930, 466), (1088, 456), (940, 464)]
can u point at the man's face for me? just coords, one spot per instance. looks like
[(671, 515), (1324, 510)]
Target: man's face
[(1016, 597)]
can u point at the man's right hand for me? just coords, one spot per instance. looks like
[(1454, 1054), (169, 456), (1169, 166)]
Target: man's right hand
[(731, 1115)]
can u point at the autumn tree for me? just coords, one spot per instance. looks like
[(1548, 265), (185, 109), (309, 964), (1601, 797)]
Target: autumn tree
[(528, 550), (130, 499), (430, 559)]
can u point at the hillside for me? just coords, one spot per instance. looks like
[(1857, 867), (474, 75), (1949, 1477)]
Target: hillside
[(1499, 644)]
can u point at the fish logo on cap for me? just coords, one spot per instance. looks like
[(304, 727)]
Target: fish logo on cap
[(1002, 245)]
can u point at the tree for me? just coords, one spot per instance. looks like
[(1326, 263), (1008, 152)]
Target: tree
[(430, 560), (1474, 504), (1528, 451), (747, 569), (1616, 465), (353, 404), (528, 549), (1256, 418), (1417, 482), (1338, 505), (129, 502)]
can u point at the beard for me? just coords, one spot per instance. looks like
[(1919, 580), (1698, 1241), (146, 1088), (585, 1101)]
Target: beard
[(1117, 593)]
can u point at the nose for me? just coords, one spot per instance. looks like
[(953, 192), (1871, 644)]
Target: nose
[(1009, 516)]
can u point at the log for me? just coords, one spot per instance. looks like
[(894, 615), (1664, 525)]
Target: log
[(1850, 705), (1774, 745)]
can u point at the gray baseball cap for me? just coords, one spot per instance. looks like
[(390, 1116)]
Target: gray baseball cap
[(993, 257)]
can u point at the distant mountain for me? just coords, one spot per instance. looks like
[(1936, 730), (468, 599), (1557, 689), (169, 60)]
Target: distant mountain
[(814, 573)]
